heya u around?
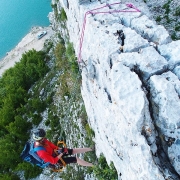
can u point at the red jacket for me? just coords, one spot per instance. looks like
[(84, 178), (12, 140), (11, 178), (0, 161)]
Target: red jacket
[(47, 155)]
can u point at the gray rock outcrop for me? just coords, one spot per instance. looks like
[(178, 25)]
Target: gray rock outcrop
[(131, 97)]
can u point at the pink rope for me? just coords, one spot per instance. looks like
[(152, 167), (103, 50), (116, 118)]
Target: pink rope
[(105, 12)]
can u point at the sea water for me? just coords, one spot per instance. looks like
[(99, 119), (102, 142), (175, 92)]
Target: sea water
[(17, 17)]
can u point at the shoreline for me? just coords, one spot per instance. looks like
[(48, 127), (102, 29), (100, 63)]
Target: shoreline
[(27, 43)]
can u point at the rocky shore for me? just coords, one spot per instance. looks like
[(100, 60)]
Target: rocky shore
[(29, 42)]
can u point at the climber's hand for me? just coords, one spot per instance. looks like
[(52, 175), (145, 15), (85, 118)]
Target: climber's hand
[(60, 155), (65, 150)]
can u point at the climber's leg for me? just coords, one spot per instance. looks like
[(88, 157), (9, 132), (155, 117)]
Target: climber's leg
[(83, 163), (81, 150)]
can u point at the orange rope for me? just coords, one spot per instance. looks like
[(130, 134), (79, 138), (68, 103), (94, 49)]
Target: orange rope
[(55, 150)]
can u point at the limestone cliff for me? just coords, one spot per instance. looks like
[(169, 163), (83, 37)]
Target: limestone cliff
[(131, 97)]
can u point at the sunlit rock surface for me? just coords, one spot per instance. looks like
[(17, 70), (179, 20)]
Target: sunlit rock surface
[(131, 97)]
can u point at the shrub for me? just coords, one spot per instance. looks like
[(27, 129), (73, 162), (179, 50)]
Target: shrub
[(158, 18), (167, 18), (89, 131), (70, 54), (103, 171), (36, 119), (61, 61), (47, 122), (48, 45), (9, 176), (54, 6), (173, 36), (61, 40), (177, 11), (63, 16), (167, 7), (29, 170), (177, 28)]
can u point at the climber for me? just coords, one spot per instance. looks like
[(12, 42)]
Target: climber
[(64, 154), (121, 38)]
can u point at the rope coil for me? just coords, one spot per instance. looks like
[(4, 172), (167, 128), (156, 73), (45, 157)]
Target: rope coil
[(60, 168)]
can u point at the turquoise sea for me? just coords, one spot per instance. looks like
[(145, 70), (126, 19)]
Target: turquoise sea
[(16, 19)]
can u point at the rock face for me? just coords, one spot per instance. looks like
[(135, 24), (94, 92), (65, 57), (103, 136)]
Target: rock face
[(131, 97)]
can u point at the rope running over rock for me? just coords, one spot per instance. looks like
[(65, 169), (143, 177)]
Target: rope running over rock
[(95, 11)]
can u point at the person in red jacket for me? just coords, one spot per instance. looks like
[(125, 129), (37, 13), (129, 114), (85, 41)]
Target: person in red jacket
[(49, 154)]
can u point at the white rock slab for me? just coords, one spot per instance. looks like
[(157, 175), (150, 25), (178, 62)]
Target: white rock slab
[(171, 53), (165, 102), (150, 31)]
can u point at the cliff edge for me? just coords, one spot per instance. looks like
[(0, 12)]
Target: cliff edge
[(131, 96)]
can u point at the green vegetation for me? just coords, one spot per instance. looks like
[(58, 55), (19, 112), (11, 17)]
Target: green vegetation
[(16, 110), (177, 11), (60, 17), (70, 112), (169, 19), (70, 54), (158, 18), (31, 88), (63, 16), (103, 171), (173, 36), (166, 6), (177, 28), (54, 6)]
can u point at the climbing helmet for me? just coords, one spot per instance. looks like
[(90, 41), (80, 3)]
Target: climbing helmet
[(39, 134)]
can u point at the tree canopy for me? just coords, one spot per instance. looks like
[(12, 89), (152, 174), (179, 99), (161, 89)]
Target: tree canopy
[(15, 126)]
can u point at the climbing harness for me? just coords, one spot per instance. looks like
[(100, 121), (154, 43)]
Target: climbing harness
[(58, 167), (94, 12)]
